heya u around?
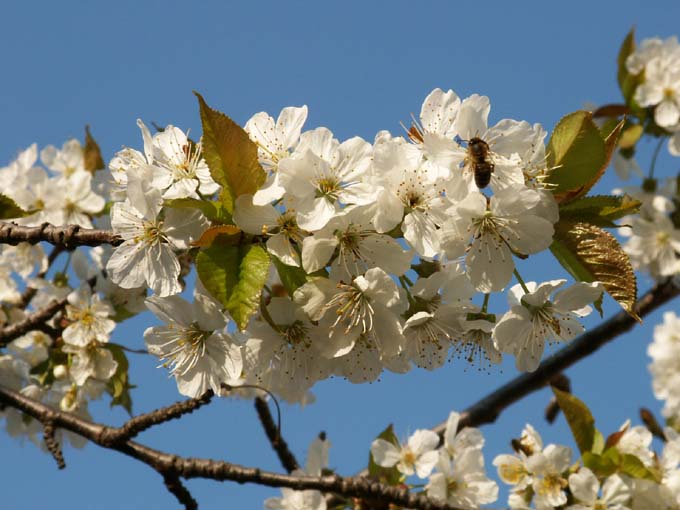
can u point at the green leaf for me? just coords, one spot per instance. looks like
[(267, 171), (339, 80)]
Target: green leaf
[(389, 476), (590, 254), (10, 210), (632, 466), (92, 155), (599, 464), (630, 136), (294, 277), (230, 154), (291, 277), (576, 151), (581, 422), (598, 442), (627, 82), (235, 276), (119, 386), (214, 210), (600, 210)]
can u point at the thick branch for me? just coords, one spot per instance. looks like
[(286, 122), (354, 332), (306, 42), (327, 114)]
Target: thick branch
[(488, 408), (171, 467), (35, 320), (68, 236), (288, 460)]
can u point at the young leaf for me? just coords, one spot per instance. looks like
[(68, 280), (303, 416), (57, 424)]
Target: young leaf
[(576, 151), (633, 467), (600, 210), (389, 476), (235, 276), (609, 142), (119, 386), (589, 254), (92, 155), (601, 465), (10, 210), (230, 154), (229, 235), (581, 422), (214, 210), (627, 81), (598, 442), (291, 277), (630, 136)]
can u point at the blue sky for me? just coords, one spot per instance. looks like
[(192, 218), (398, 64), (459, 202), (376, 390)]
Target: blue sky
[(360, 67)]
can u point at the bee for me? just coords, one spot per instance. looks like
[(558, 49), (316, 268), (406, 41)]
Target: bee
[(478, 155)]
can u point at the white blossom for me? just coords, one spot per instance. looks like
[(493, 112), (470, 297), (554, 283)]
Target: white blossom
[(533, 318), (418, 455), (193, 343)]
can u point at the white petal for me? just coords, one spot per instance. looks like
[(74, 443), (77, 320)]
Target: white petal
[(384, 453), (313, 215), (577, 296), (490, 264), (584, 486), (317, 251), (667, 113), (423, 440), (254, 219), (426, 462)]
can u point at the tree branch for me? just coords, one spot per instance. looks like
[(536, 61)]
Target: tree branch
[(68, 236), (288, 460), (35, 320), (489, 408), (177, 489), (171, 467), (135, 426), (29, 292)]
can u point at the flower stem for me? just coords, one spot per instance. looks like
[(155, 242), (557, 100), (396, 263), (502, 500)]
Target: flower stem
[(654, 157), (485, 304), (521, 281)]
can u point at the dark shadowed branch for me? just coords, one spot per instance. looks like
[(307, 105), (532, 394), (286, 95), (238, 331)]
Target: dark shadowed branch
[(173, 467)]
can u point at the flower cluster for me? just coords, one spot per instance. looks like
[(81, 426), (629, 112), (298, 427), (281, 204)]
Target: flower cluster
[(397, 246), (459, 477), (547, 476), (396, 238), (665, 366), (653, 236), (659, 62), (70, 362)]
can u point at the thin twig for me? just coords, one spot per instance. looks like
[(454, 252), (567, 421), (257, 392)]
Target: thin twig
[(68, 236), (187, 467), (135, 426), (288, 460), (33, 321), (52, 444), (177, 489)]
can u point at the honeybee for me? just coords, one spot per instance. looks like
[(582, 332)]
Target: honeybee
[(478, 156)]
